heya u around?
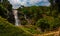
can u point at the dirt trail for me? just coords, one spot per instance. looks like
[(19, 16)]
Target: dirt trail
[(54, 33), (48, 34)]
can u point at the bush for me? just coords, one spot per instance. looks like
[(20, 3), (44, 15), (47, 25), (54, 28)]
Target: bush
[(3, 11), (7, 29), (48, 22), (23, 22)]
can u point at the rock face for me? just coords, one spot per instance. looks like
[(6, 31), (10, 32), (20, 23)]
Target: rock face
[(11, 18)]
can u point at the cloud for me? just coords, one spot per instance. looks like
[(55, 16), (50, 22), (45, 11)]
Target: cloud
[(17, 3)]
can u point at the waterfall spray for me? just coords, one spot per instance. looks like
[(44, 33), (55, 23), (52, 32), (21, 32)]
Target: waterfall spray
[(16, 17)]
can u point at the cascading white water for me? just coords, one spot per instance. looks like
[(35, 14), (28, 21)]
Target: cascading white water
[(15, 12)]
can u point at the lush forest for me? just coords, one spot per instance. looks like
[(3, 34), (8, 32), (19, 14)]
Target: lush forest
[(33, 20)]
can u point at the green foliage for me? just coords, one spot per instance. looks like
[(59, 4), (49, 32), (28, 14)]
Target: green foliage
[(3, 11), (32, 29), (7, 29), (7, 5), (23, 22), (48, 22), (34, 12), (5, 8), (55, 5)]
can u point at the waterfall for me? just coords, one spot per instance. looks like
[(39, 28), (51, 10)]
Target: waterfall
[(15, 13)]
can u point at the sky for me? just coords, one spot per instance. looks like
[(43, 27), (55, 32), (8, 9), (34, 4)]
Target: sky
[(18, 3)]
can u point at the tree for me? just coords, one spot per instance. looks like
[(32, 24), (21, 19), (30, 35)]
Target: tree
[(48, 23), (3, 12), (55, 5), (6, 10), (7, 5)]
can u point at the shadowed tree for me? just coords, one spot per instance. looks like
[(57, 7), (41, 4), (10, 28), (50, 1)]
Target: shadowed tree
[(55, 5)]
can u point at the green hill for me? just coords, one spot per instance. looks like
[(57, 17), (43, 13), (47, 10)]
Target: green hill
[(7, 29)]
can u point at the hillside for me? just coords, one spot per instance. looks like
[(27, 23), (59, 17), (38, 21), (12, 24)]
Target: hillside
[(7, 29)]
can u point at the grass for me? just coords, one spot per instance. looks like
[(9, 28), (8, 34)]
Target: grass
[(32, 29), (7, 29)]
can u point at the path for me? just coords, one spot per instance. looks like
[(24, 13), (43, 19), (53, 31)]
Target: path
[(51, 33)]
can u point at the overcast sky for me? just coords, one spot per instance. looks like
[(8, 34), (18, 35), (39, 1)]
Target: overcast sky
[(17, 3)]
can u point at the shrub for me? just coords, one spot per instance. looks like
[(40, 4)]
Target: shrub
[(3, 11), (23, 22), (48, 22)]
